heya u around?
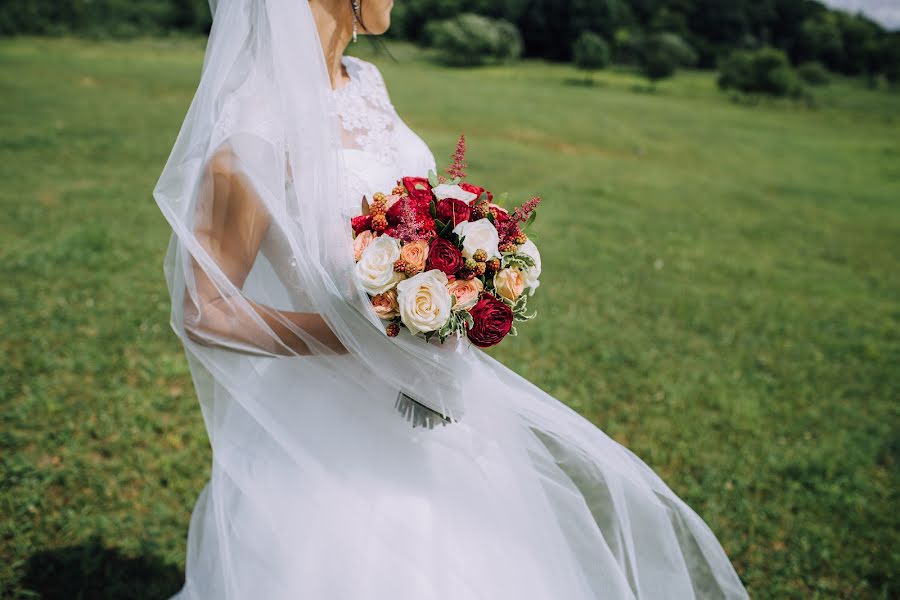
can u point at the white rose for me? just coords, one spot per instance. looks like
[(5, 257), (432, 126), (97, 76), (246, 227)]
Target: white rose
[(478, 234), (424, 301), (452, 191), (531, 273), (375, 269)]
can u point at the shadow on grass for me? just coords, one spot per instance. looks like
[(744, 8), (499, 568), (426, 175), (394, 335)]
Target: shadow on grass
[(584, 82), (91, 571)]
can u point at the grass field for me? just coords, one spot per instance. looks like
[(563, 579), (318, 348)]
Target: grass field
[(721, 294)]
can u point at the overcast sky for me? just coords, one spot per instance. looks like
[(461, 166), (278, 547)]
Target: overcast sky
[(886, 12)]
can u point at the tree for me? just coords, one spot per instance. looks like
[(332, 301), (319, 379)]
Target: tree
[(591, 53), (469, 39), (821, 40)]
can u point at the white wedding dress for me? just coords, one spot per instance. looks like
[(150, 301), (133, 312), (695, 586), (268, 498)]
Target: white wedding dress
[(347, 501)]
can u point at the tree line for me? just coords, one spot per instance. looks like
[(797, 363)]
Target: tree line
[(804, 30)]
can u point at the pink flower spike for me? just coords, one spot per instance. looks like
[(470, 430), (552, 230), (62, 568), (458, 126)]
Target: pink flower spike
[(522, 213), (457, 169), (408, 228)]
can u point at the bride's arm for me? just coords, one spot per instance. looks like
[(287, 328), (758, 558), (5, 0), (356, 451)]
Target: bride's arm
[(232, 223)]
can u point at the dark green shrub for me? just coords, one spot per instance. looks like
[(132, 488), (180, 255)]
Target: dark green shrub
[(659, 55), (471, 39), (813, 73), (101, 18), (764, 71), (590, 52)]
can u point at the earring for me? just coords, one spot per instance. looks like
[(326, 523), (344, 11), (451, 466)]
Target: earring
[(355, 19)]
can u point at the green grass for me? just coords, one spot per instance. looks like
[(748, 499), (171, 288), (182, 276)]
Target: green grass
[(720, 294)]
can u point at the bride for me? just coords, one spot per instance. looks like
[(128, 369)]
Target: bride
[(320, 489)]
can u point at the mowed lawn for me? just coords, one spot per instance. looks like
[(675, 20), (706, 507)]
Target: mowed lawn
[(721, 293)]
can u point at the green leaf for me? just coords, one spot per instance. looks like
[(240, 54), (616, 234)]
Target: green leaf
[(513, 332), (446, 229), (501, 199), (439, 225), (433, 179), (531, 219), (516, 259), (432, 208)]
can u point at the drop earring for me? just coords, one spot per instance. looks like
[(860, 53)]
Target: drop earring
[(355, 19)]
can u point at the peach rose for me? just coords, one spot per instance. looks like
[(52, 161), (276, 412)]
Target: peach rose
[(415, 253), (360, 242), (466, 292), (509, 283), (385, 304)]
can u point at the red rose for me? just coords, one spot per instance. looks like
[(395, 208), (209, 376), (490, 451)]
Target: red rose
[(419, 207), (476, 189), (451, 208), (500, 215), (444, 255), (418, 188), (493, 319), (424, 224), (361, 223)]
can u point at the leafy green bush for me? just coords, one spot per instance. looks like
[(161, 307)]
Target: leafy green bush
[(764, 71), (590, 51), (813, 73), (658, 55), (471, 39)]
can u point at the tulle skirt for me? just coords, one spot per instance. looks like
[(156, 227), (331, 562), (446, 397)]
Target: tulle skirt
[(321, 491)]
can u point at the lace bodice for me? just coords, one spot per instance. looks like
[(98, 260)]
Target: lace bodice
[(379, 147)]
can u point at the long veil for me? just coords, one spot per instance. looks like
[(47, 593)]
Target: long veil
[(258, 155), (260, 272)]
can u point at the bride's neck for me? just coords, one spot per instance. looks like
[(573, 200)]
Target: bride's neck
[(334, 21)]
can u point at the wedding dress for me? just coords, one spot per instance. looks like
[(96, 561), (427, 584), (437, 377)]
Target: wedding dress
[(320, 490)]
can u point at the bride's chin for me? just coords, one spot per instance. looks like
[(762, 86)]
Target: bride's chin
[(382, 29)]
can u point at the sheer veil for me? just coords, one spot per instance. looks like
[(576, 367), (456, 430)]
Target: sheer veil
[(260, 270), (261, 143)]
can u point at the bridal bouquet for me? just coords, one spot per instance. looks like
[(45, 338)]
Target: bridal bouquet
[(439, 257)]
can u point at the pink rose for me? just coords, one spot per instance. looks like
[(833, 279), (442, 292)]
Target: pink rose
[(385, 304), (415, 253), (466, 292), (360, 242)]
